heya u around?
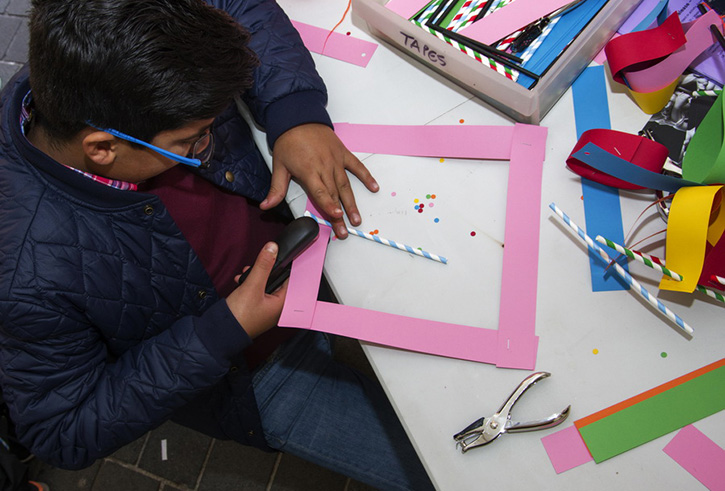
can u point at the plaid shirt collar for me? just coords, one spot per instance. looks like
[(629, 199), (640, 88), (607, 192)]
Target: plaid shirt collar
[(26, 116)]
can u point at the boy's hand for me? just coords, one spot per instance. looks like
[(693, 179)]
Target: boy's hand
[(315, 156), (255, 310)]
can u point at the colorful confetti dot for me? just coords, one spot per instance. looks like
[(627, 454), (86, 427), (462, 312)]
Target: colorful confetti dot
[(393, 194), (427, 196), (420, 210), (416, 200), (461, 121), (595, 351), (416, 207), (663, 354), (436, 220), (431, 205), (348, 33), (442, 160), (473, 234), (432, 196)]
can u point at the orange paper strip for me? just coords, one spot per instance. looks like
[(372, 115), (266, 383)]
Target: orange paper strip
[(646, 395)]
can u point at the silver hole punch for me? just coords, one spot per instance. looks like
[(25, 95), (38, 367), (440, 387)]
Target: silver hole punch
[(485, 430)]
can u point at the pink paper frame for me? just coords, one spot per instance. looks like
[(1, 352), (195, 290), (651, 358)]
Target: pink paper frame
[(514, 344)]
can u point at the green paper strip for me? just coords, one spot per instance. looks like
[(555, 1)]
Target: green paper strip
[(654, 417), (704, 160)]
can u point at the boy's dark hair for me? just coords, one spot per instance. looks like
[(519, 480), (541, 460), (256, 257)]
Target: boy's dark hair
[(138, 66)]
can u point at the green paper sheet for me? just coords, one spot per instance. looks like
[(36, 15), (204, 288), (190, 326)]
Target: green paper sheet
[(704, 160), (654, 417)]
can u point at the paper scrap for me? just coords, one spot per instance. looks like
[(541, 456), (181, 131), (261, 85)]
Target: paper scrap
[(699, 456), (654, 413), (602, 210), (164, 452), (692, 214), (566, 449), (339, 46), (464, 142), (510, 18), (406, 8)]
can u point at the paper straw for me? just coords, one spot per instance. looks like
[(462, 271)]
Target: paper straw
[(705, 93), (380, 240), (639, 289), (645, 259), (710, 293), (656, 263), (718, 279)]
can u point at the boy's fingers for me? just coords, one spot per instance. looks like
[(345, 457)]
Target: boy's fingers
[(263, 265), (278, 188)]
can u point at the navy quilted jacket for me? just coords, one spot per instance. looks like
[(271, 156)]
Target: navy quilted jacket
[(109, 324)]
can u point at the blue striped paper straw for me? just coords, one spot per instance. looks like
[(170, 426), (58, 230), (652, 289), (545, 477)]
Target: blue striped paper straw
[(639, 289), (380, 240)]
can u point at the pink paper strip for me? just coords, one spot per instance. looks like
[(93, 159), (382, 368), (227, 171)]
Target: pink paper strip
[(517, 311), (514, 344), (437, 338), (406, 8), (699, 38), (465, 142), (566, 449), (304, 282), (339, 46), (510, 18), (699, 456)]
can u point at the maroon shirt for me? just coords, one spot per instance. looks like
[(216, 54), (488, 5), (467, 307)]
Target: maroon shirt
[(226, 231)]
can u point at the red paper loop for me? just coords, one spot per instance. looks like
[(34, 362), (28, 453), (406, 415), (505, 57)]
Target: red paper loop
[(641, 49), (635, 149)]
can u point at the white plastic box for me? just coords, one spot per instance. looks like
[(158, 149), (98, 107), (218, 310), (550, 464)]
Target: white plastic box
[(521, 104)]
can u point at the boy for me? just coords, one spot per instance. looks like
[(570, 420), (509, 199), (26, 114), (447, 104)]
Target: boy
[(128, 207)]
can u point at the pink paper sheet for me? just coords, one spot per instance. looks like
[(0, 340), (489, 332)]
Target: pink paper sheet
[(510, 18), (699, 456), (405, 8), (339, 46), (566, 449), (514, 344), (699, 38), (464, 142), (517, 315)]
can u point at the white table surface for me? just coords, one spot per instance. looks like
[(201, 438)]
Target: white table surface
[(436, 397)]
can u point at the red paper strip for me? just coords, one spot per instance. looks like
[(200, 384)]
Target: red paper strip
[(638, 150), (644, 48)]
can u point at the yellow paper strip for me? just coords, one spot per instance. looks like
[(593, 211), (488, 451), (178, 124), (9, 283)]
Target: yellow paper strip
[(652, 102), (687, 233)]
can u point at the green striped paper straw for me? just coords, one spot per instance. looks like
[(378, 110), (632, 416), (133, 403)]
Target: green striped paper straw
[(656, 263), (645, 259), (711, 293), (636, 286), (705, 93)]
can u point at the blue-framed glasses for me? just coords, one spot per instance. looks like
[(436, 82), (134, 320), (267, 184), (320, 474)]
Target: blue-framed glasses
[(199, 156)]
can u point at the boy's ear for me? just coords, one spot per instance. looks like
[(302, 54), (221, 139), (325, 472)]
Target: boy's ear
[(100, 147)]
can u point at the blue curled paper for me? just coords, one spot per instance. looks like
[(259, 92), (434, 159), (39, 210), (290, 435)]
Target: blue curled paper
[(603, 161)]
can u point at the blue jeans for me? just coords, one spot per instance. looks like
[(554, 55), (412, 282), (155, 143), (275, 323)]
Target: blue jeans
[(327, 413)]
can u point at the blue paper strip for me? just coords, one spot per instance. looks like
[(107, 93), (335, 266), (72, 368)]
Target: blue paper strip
[(612, 165), (602, 211)]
